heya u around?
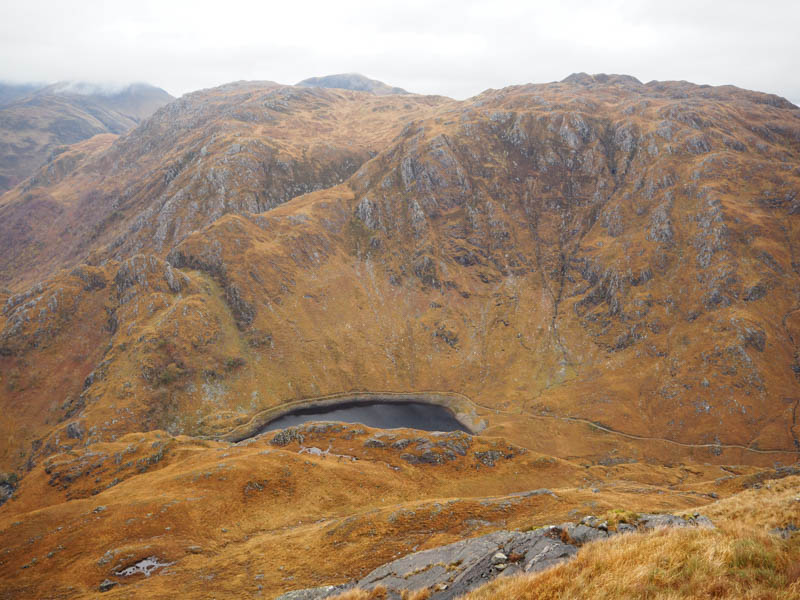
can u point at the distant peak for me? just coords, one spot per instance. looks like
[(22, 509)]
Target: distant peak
[(352, 81), (89, 88), (586, 79)]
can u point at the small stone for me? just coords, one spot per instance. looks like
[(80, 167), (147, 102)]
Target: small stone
[(499, 558), (501, 566), (194, 549), (107, 585), (590, 521), (99, 509), (703, 521)]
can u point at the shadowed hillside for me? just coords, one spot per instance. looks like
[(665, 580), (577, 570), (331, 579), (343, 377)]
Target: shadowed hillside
[(36, 122)]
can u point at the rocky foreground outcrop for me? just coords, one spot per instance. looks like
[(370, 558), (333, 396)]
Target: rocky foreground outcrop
[(454, 569)]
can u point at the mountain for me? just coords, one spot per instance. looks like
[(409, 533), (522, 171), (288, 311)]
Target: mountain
[(599, 276), (37, 121), (241, 148), (352, 81), (9, 92)]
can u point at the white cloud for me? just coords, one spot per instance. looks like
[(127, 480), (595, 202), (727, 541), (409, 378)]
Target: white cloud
[(456, 48)]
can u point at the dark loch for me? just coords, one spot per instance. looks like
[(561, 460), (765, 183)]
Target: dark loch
[(383, 415)]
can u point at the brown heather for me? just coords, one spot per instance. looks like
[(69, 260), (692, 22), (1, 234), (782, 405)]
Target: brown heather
[(603, 272)]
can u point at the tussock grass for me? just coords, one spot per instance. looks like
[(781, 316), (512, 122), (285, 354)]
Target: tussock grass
[(739, 559), (666, 564), (379, 593)]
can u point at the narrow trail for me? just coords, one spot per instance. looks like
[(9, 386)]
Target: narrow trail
[(632, 436), (466, 399)]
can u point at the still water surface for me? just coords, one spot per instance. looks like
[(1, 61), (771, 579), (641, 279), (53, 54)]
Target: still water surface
[(383, 415)]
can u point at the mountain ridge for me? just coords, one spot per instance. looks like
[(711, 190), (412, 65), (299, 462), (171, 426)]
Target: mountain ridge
[(601, 276)]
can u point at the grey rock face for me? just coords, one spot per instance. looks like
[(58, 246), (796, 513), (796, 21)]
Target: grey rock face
[(452, 570), (457, 568), (581, 534), (648, 522)]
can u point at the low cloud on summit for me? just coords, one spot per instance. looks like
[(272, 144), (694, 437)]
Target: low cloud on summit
[(455, 48)]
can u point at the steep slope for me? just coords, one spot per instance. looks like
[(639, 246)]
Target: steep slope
[(601, 272), (604, 268), (244, 147), (352, 81), (34, 125)]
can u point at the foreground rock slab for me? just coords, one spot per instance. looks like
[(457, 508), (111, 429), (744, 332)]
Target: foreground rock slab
[(451, 570)]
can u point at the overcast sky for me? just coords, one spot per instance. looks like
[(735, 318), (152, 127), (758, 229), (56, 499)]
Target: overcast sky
[(456, 48)]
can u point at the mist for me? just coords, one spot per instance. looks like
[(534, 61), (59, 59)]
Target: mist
[(452, 48)]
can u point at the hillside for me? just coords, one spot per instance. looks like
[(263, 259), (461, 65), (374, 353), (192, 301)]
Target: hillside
[(600, 276), (35, 122), (266, 516), (241, 148), (9, 92)]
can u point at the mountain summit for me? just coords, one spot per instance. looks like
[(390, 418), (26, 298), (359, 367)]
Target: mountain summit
[(352, 81)]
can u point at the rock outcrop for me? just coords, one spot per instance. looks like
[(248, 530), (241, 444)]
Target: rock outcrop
[(452, 570)]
